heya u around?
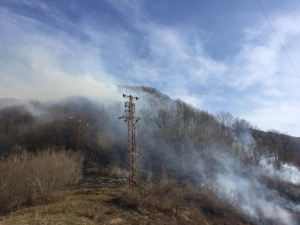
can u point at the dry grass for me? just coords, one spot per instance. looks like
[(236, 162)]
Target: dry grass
[(210, 202), (162, 197), (104, 170), (95, 201), (185, 204), (110, 211), (27, 178), (92, 202), (88, 214), (32, 179)]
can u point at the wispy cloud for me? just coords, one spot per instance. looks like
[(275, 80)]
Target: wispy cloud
[(38, 65), (50, 54)]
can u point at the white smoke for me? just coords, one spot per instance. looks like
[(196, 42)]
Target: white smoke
[(258, 201)]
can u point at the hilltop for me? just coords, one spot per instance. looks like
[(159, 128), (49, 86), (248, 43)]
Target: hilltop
[(195, 167)]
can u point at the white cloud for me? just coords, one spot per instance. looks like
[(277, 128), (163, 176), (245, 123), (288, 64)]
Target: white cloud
[(45, 61), (41, 66), (272, 88)]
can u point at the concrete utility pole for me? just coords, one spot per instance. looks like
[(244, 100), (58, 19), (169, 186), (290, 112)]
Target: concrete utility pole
[(78, 125), (131, 121)]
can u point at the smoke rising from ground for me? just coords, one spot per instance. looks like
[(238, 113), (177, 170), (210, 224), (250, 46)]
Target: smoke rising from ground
[(224, 166), (189, 144)]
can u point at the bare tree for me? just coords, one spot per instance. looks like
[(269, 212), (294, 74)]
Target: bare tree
[(274, 138), (163, 117), (287, 147)]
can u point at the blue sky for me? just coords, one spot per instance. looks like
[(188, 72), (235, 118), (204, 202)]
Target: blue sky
[(216, 55)]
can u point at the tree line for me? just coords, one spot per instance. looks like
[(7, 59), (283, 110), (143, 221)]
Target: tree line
[(171, 132)]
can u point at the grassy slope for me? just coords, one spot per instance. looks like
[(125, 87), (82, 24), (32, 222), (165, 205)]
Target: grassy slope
[(94, 201)]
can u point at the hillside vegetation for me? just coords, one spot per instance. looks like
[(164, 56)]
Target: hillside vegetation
[(195, 167)]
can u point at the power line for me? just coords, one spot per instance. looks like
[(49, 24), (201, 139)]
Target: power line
[(110, 42), (235, 27), (105, 30), (278, 38), (195, 59), (128, 39), (147, 19)]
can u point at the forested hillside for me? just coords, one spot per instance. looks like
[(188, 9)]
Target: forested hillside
[(254, 173)]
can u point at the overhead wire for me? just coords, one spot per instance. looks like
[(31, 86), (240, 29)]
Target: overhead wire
[(128, 38), (247, 44), (87, 46), (125, 13), (110, 42), (221, 81), (146, 19), (278, 38)]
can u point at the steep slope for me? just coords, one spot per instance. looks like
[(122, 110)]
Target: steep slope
[(100, 200), (221, 155)]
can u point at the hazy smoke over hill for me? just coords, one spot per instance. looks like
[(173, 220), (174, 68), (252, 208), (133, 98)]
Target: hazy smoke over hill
[(216, 152), (223, 162)]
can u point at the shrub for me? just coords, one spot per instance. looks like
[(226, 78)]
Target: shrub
[(28, 178), (164, 196), (185, 203)]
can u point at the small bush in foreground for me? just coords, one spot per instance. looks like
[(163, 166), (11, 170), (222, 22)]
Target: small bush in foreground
[(165, 196), (28, 178)]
